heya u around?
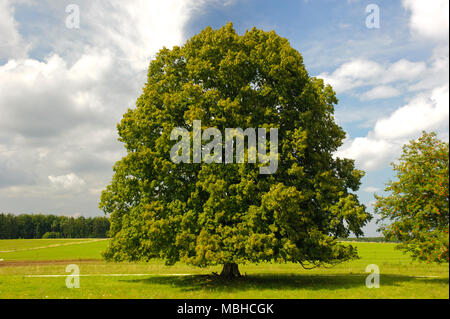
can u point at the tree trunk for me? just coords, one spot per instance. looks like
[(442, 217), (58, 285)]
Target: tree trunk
[(230, 270)]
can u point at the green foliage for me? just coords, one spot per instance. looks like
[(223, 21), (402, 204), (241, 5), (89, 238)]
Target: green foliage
[(209, 214), (51, 234), (418, 204)]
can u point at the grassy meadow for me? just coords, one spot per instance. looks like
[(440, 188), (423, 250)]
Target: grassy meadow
[(36, 269)]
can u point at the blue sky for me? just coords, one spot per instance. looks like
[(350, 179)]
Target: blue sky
[(62, 90)]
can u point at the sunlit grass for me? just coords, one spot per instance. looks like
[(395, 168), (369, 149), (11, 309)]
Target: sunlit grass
[(400, 277), (20, 244), (68, 249)]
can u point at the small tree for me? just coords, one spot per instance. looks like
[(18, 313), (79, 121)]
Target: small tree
[(228, 214), (417, 208), (51, 234)]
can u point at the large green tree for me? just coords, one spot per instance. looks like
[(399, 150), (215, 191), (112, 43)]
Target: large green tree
[(229, 214), (416, 210)]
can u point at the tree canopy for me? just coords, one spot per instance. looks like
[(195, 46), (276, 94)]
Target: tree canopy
[(208, 214), (416, 211)]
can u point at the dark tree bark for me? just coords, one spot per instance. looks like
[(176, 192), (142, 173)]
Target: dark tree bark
[(230, 270)]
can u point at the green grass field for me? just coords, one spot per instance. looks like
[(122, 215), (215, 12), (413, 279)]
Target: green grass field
[(24, 261)]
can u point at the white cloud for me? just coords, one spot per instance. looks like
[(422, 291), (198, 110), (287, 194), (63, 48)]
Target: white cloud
[(427, 110), (363, 72), (370, 153), (371, 189), (138, 29), (437, 73), (41, 99), (380, 92), (422, 113), (429, 18), (403, 70), (11, 44), (67, 182), (59, 113), (383, 144), (352, 74)]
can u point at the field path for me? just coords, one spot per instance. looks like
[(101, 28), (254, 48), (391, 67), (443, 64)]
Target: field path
[(55, 245), (22, 263)]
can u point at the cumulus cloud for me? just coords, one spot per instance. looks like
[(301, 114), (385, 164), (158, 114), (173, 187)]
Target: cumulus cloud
[(138, 29), (437, 73), (370, 153), (429, 19), (422, 113), (428, 109), (12, 44), (380, 92), (362, 72), (133, 30), (39, 99), (67, 182), (383, 144), (59, 112)]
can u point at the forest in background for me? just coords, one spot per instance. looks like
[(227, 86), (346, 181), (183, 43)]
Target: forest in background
[(34, 226)]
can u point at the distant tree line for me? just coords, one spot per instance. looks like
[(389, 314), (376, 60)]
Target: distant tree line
[(370, 239), (33, 226)]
